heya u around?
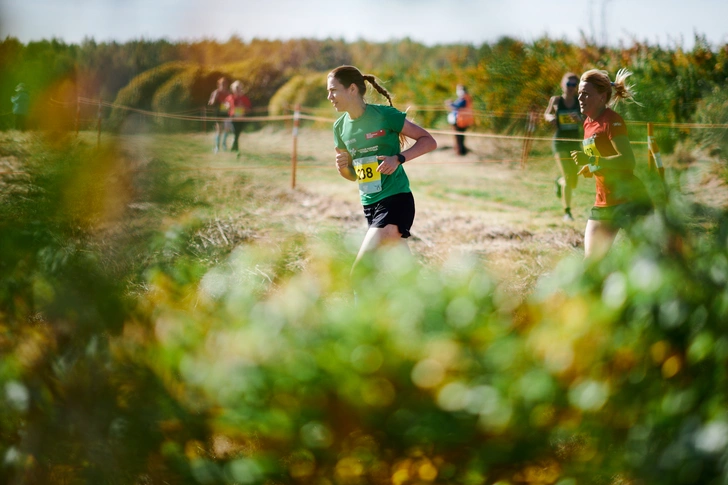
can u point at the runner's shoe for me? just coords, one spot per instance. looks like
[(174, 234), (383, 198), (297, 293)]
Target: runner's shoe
[(557, 186)]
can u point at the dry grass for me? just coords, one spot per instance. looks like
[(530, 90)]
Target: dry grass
[(483, 204)]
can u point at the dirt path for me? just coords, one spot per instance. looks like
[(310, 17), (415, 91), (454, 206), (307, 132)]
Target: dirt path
[(482, 204)]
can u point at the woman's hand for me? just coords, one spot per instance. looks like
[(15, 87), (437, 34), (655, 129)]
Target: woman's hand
[(343, 165), (388, 165), (580, 158), (585, 172), (343, 159)]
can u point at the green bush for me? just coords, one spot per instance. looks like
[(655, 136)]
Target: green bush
[(260, 79), (308, 90), (138, 94), (178, 96)]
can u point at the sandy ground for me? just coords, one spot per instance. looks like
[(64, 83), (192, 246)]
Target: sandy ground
[(465, 205), (485, 204)]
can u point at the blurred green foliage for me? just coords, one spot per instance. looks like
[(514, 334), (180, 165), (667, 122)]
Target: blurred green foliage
[(141, 92), (308, 90), (129, 359)]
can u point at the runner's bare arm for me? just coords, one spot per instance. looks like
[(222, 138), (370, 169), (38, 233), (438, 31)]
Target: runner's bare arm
[(624, 159), (344, 166), (549, 113), (424, 143)]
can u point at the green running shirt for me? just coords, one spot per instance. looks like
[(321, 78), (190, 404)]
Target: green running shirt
[(374, 133)]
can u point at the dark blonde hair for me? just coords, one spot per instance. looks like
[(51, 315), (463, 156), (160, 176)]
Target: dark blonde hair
[(600, 80), (348, 75)]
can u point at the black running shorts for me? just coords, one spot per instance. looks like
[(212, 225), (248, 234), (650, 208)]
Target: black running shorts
[(398, 209)]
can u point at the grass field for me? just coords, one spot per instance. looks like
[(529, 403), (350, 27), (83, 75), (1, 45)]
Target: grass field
[(484, 204)]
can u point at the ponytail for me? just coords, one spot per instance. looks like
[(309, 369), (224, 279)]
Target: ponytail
[(373, 81), (602, 83), (622, 90), (348, 75)]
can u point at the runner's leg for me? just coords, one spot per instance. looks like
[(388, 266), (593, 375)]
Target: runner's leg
[(598, 238), (380, 236)]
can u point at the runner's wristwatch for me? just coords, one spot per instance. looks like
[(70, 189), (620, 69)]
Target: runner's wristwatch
[(401, 158)]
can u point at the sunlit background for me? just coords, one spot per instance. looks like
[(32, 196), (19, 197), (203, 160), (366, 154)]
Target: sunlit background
[(608, 22)]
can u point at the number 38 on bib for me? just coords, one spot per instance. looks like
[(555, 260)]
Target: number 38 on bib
[(370, 181)]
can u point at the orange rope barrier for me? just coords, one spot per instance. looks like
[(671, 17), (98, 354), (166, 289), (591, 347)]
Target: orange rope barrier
[(303, 116), (160, 114)]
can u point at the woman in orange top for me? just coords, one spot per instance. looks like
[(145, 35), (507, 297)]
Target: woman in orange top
[(607, 156), (461, 117)]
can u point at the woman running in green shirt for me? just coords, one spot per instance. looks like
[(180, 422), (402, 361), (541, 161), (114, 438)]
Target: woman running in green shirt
[(368, 141)]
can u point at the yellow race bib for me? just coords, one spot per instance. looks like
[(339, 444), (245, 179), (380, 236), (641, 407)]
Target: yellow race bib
[(566, 122), (590, 147), (370, 181)]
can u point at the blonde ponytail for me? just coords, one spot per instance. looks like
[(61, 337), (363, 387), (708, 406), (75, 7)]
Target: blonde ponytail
[(622, 90)]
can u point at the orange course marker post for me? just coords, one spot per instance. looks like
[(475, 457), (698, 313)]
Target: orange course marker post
[(98, 125), (528, 139), (654, 157), (294, 154), (78, 114)]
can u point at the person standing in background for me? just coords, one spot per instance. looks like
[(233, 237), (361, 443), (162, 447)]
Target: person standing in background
[(564, 114), (239, 104), (227, 129), (460, 117), (220, 108), (21, 106)]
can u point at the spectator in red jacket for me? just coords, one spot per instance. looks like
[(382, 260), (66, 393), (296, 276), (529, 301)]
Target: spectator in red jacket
[(238, 104)]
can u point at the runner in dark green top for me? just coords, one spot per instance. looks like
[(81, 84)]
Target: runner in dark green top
[(368, 140), (564, 114)]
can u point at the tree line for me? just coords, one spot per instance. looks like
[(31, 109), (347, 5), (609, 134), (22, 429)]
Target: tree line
[(506, 78)]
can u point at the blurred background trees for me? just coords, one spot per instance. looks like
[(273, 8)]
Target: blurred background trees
[(506, 79)]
